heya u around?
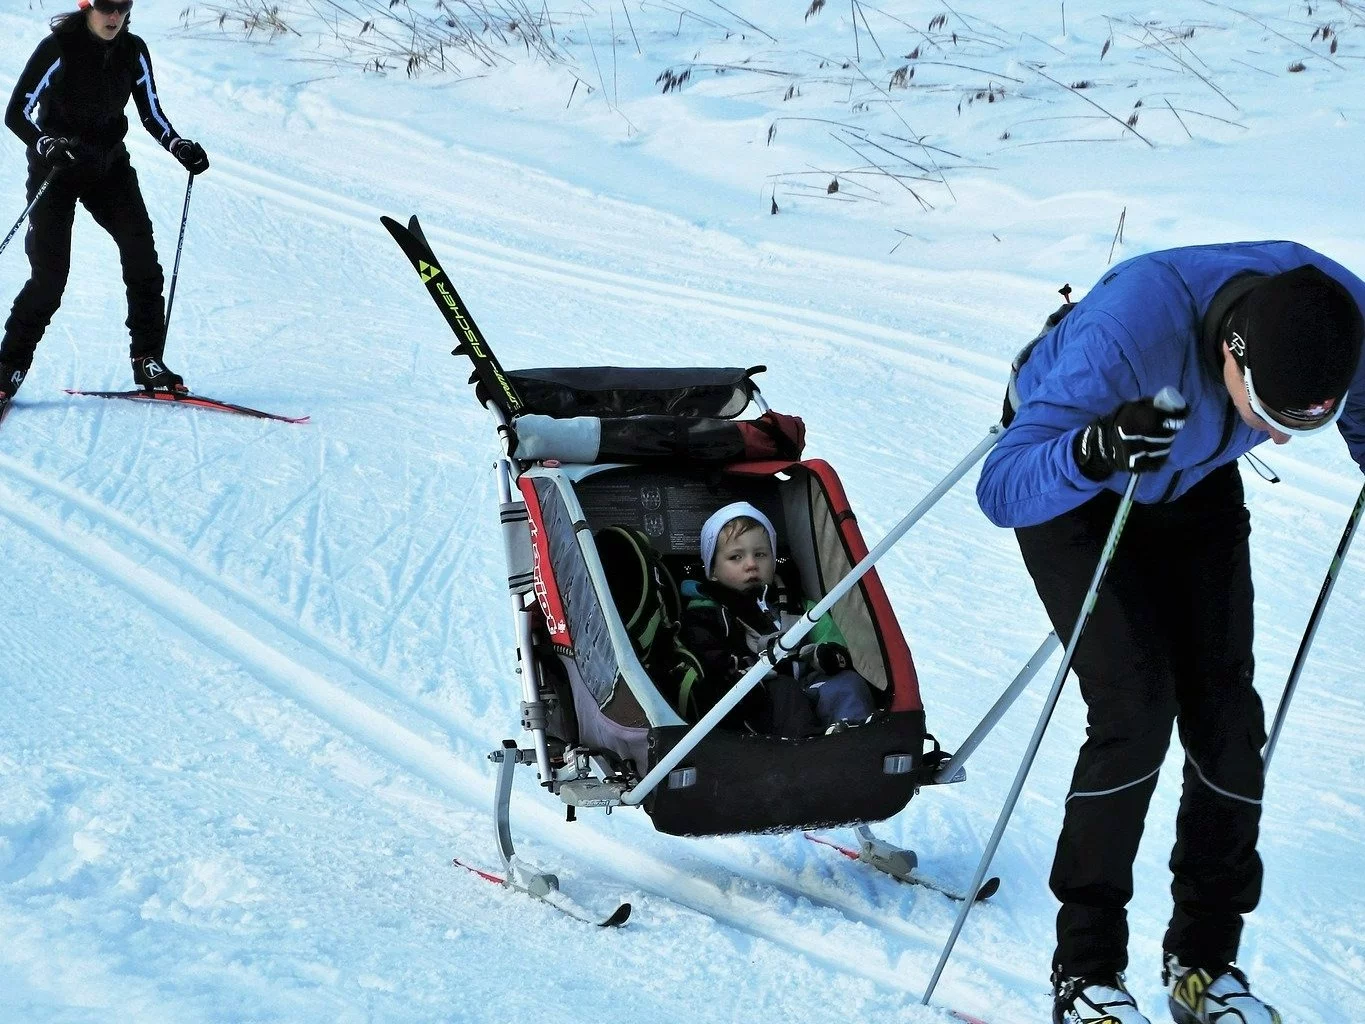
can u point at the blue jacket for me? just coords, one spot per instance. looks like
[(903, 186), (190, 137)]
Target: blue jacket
[(1139, 329)]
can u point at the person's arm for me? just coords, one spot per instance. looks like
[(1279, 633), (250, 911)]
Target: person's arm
[(148, 102), (1032, 475), (703, 633), (39, 75)]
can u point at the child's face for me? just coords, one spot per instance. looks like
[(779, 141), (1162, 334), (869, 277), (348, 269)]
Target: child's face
[(745, 562)]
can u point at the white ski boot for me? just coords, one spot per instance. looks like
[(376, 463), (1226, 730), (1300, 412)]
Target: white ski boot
[(1217, 995), (1097, 999)]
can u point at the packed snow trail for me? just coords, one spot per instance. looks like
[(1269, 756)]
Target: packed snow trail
[(252, 671)]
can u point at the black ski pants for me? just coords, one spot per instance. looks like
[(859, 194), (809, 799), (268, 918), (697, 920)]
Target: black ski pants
[(1169, 640), (110, 192)]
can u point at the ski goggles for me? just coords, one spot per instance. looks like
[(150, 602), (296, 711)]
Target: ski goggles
[(112, 6), (1299, 422)]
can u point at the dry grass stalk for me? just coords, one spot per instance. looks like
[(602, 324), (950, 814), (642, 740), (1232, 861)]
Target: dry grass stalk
[(1039, 71), (1118, 234), (376, 35)]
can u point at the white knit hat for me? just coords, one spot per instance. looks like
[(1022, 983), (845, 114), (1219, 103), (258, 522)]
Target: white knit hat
[(711, 529)]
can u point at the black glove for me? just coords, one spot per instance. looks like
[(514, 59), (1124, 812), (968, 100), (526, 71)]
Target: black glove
[(1136, 437), (56, 150), (191, 155), (829, 658)]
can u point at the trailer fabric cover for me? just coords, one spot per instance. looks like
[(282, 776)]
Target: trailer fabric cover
[(592, 651), (669, 439)]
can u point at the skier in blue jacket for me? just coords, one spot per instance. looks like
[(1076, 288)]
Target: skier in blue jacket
[(1263, 341)]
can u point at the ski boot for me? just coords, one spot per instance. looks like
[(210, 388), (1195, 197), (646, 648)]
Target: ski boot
[(1095, 999), (152, 374), (1201, 995), (10, 379)]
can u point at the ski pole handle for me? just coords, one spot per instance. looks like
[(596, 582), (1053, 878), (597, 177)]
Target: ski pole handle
[(29, 209), (1168, 399)]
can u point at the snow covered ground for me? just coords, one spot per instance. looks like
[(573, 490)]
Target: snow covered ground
[(251, 671)]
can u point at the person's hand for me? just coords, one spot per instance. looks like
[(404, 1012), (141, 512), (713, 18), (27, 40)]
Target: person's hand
[(832, 658), (191, 155), (829, 658), (1135, 438), (56, 150)]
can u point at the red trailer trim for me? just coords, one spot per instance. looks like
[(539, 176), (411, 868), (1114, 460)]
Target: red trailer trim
[(542, 571)]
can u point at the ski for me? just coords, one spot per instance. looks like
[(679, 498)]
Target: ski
[(554, 898), (487, 370), (196, 401), (988, 888)]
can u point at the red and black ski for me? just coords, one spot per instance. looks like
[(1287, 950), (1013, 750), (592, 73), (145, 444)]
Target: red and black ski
[(195, 401), (554, 898), (988, 888)]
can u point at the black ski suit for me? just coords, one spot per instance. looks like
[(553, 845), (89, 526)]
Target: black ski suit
[(76, 86), (1170, 639)]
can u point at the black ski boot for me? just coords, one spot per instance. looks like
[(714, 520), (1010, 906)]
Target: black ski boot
[(152, 374), (1198, 995), (10, 379), (1097, 999)]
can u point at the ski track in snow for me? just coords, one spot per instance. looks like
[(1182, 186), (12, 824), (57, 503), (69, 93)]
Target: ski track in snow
[(428, 746), (356, 577)]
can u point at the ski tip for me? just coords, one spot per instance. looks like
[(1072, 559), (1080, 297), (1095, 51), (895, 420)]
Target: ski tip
[(618, 917), (988, 888), (966, 1017)]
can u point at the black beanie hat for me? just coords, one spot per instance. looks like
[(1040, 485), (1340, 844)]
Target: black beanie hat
[(1300, 332)]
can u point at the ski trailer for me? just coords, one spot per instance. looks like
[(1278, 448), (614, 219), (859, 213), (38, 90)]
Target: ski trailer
[(592, 454)]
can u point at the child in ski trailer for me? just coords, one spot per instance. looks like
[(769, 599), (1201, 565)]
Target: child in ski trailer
[(67, 108), (729, 619), (1263, 341)]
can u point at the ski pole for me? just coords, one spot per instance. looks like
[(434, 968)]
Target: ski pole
[(29, 209), (1167, 398), (180, 245), (787, 643), (1327, 584)]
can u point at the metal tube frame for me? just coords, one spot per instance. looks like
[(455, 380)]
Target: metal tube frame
[(532, 707), (951, 768), (788, 642)]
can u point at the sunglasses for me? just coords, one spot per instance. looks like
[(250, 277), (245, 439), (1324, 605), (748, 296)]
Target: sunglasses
[(112, 6), (1298, 422)]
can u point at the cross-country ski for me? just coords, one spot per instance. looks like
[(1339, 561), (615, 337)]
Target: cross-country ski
[(191, 401)]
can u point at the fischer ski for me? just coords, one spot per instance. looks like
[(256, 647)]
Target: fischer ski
[(988, 888), (495, 385), (196, 401), (553, 897)]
